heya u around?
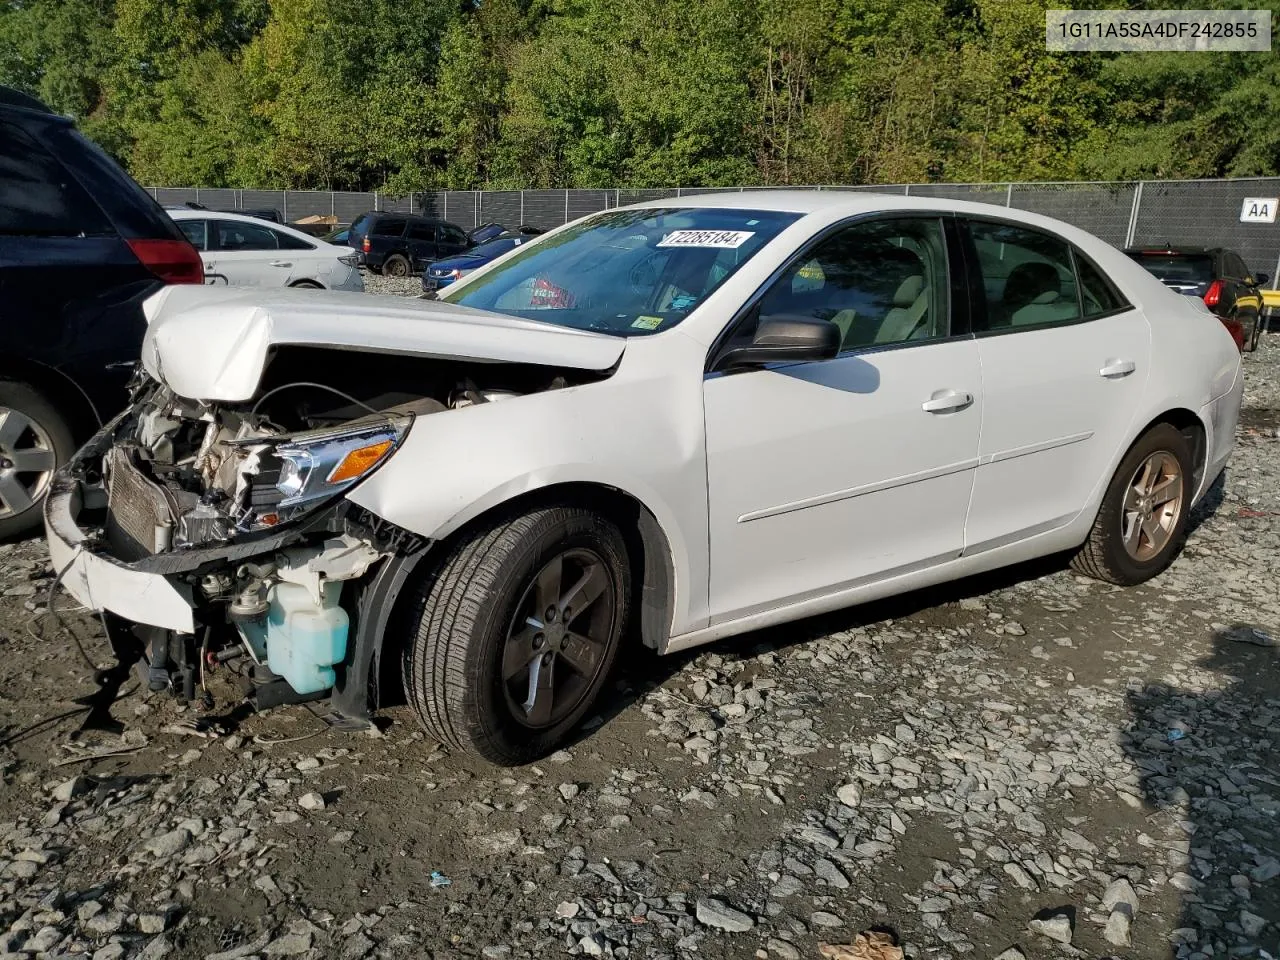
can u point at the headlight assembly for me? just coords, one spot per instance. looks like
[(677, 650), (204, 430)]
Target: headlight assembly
[(297, 473)]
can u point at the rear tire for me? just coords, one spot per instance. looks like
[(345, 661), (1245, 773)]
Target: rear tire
[(395, 266), (1255, 335), (307, 285), (1135, 537), (34, 441), (499, 664)]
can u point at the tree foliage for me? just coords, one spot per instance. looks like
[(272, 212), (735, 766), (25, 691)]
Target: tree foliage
[(410, 94)]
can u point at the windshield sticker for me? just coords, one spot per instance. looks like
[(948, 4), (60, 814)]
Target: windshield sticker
[(647, 323), (715, 239), (547, 296)]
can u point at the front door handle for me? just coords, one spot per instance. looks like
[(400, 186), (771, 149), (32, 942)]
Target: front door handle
[(281, 263), (946, 401), (1115, 369)]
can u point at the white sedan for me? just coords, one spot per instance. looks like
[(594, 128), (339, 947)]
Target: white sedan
[(660, 425), (242, 251)]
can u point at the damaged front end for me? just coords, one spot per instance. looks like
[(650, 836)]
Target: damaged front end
[(220, 533)]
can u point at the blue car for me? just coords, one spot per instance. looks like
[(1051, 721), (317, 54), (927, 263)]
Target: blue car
[(444, 272)]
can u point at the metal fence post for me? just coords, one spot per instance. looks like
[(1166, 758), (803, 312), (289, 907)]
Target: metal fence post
[(333, 205), (521, 207), (477, 206), (1133, 215), (284, 202), (566, 206), (375, 201), (197, 194), (1008, 195), (445, 214)]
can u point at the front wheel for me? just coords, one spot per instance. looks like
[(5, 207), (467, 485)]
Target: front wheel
[(515, 634), (1143, 519)]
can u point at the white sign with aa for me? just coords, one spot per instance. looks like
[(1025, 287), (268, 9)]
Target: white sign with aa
[(1259, 209)]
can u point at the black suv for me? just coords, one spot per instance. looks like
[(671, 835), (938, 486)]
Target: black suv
[(398, 244), (1217, 276), (81, 246)]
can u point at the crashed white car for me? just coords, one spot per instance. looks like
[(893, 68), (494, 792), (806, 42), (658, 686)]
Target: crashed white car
[(660, 425)]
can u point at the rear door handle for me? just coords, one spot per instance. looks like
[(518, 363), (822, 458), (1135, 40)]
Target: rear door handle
[(281, 263), (1115, 369), (946, 401)]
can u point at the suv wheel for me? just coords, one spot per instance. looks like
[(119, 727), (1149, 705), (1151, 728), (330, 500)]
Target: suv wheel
[(34, 440), (396, 266)]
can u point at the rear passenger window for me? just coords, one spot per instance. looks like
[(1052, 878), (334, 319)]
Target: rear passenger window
[(1027, 276), (388, 228), (235, 236), (288, 242), (197, 232), (1098, 295), (422, 231), (38, 198)]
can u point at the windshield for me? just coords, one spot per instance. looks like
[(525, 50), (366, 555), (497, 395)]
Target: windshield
[(494, 248), (625, 272), (1177, 270)]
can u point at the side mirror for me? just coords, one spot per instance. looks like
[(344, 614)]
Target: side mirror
[(786, 339), (1261, 279)]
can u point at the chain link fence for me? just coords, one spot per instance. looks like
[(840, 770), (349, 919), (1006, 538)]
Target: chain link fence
[(1198, 212)]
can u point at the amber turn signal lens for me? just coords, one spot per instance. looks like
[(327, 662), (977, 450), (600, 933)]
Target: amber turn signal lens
[(359, 461)]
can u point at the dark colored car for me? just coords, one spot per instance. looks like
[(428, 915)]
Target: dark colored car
[(444, 272), (399, 244), (1217, 276), (337, 236), (81, 247)]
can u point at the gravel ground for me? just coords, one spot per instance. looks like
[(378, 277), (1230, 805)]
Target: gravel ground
[(1030, 764)]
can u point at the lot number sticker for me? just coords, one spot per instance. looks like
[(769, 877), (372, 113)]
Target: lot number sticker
[(1259, 210), (718, 239)]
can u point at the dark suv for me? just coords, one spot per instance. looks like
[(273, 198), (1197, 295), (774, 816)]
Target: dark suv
[(81, 246), (1219, 277), (398, 244)]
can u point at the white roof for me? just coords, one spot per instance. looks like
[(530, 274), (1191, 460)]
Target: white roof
[(190, 214)]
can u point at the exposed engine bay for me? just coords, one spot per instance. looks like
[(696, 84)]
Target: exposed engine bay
[(242, 506)]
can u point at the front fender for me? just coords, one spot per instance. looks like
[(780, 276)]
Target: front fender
[(456, 465)]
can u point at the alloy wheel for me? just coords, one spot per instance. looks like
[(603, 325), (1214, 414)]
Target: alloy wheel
[(558, 641), (1152, 506), (27, 462)]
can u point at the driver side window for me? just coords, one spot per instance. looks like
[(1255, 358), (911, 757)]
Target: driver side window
[(883, 282)]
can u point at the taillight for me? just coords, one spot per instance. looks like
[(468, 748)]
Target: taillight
[(1213, 294), (173, 261), (365, 245)]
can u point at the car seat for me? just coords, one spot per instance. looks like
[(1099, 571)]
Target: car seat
[(904, 319), (1033, 294)]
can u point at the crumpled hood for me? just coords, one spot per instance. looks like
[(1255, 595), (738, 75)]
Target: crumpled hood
[(211, 343)]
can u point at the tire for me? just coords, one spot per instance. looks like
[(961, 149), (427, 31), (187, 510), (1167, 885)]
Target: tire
[(471, 627), (395, 266), (1255, 335), (1105, 556), (32, 433), (307, 285)]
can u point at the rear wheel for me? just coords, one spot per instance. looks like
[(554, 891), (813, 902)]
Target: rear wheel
[(308, 285), (516, 633), (395, 266), (1255, 334), (34, 440), (1143, 519)]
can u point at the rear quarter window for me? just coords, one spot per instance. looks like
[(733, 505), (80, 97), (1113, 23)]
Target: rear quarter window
[(388, 228), (38, 196)]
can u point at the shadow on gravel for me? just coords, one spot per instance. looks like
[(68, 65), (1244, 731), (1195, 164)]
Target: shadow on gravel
[(1210, 760), (640, 670)]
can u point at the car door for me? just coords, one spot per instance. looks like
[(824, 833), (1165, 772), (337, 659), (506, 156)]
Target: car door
[(422, 243), (248, 255), (197, 231), (1064, 363), (828, 475)]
